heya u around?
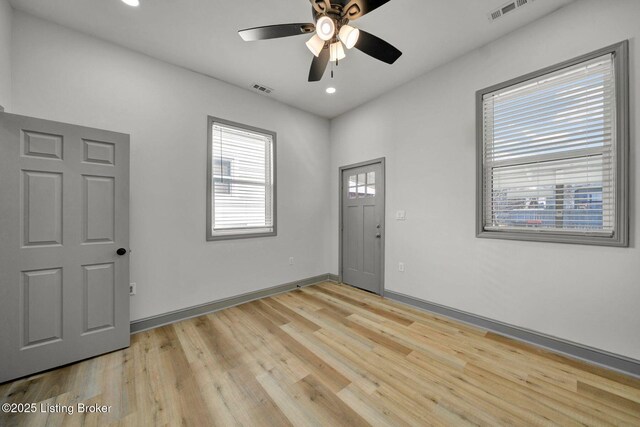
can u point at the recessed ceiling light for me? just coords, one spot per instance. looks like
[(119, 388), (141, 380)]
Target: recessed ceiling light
[(331, 90), (134, 3)]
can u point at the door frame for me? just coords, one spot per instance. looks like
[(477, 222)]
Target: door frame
[(382, 162)]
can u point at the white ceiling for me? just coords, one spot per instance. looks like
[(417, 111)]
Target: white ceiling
[(201, 35)]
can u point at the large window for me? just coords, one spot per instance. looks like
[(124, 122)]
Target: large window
[(552, 153), (241, 195)]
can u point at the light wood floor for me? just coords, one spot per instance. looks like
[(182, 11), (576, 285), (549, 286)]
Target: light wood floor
[(329, 355)]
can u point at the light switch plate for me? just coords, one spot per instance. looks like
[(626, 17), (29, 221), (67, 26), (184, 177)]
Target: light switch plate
[(401, 215)]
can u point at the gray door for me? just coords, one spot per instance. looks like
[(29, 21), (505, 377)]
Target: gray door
[(363, 226), (64, 213)]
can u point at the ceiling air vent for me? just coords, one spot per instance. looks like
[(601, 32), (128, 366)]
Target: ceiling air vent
[(260, 88), (507, 8)]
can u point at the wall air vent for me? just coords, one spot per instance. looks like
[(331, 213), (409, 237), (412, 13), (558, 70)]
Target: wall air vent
[(507, 8), (260, 88)]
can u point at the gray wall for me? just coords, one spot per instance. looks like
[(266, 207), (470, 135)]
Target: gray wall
[(5, 54), (425, 128), (63, 75)]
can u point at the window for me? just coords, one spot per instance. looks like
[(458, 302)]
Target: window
[(241, 191), (552, 153), (362, 185)]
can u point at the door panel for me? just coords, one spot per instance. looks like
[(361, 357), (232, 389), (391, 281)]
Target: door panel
[(370, 252), (64, 211), (42, 145), (99, 152), (99, 290), (42, 309), (363, 226), (98, 209), (42, 208), (353, 238)]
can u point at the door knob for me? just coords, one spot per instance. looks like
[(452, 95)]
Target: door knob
[(121, 251)]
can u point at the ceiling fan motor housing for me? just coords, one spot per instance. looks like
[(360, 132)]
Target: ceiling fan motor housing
[(350, 10)]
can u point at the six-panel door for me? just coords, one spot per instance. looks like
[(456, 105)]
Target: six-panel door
[(64, 212)]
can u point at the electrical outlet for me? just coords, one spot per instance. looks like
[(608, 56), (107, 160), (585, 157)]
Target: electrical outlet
[(132, 288), (401, 266), (290, 260)]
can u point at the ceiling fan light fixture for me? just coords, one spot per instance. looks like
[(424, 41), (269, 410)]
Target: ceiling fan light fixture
[(315, 44), (325, 28), (133, 3), (336, 52), (349, 35)]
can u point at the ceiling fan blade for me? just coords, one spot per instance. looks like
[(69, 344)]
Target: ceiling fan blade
[(357, 8), (275, 31), (377, 48), (318, 65)]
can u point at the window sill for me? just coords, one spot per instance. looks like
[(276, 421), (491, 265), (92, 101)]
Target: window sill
[(550, 237), (235, 234)]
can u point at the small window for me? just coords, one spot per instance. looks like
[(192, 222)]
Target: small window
[(241, 181), (552, 147), (362, 185)]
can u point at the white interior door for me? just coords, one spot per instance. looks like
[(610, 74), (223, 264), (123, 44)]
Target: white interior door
[(64, 215), (363, 227)]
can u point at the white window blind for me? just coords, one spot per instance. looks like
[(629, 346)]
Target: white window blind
[(549, 153), (242, 180)]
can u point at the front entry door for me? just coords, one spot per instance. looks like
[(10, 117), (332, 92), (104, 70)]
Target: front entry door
[(64, 220), (363, 226)]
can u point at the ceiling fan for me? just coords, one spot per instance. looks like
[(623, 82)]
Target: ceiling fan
[(332, 33)]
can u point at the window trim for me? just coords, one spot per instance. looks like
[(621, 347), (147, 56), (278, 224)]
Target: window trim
[(620, 237), (235, 233)]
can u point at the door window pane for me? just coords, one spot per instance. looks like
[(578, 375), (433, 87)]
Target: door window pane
[(371, 190), (371, 178), (371, 184), (353, 183)]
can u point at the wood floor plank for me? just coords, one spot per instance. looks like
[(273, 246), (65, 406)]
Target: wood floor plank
[(312, 363), (324, 355), (593, 407), (615, 401), (352, 372), (291, 315), (374, 410), (343, 300)]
